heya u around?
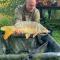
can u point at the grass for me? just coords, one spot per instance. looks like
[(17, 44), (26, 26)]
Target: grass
[(56, 35), (54, 24)]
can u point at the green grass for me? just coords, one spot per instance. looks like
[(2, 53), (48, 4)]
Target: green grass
[(56, 35), (54, 24)]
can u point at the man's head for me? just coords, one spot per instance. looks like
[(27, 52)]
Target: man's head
[(30, 5)]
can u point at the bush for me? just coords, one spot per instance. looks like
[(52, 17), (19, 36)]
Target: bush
[(5, 21)]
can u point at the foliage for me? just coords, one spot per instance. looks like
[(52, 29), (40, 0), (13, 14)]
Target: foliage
[(8, 6), (5, 21), (56, 35)]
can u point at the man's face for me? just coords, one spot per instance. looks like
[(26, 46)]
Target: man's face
[(30, 6)]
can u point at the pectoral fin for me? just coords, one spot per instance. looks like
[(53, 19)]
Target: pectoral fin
[(35, 34), (27, 36)]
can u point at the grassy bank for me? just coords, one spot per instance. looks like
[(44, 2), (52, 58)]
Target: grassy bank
[(56, 35)]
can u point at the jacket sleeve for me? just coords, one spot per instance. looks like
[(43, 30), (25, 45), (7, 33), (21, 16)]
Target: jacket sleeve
[(18, 14), (37, 15)]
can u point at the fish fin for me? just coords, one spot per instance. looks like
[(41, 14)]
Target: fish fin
[(34, 35), (27, 36), (8, 32), (6, 35)]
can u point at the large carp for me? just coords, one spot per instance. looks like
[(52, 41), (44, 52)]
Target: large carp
[(25, 27)]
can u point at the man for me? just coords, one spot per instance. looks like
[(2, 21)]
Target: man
[(28, 12)]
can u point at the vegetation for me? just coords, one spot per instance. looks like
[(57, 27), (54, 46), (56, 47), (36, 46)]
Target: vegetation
[(8, 6)]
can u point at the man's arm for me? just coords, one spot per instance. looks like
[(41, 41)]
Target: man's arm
[(18, 14), (37, 15)]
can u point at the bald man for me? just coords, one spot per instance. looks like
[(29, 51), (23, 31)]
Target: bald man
[(27, 12)]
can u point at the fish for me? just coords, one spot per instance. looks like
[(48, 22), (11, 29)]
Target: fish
[(24, 27)]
